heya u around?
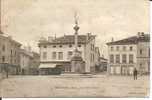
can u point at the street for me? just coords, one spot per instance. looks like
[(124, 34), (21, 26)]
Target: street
[(75, 86)]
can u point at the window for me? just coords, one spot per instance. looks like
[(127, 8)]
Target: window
[(67, 69), (117, 58), (11, 52), (140, 66), (15, 53), (131, 48), (149, 52), (92, 47), (3, 58), (92, 58), (44, 55), (124, 58), (111, 48), (117, 48), (60, 56), (80, 53), (3, 48), (70, 54), (111, 58), (54, 46), (60, 46), (45, 46), (141, 51), (70, 45), (79, 45), (124, 48), (131, 58), (53, 55)]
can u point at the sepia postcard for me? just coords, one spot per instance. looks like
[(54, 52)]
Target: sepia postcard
[(75, 48)]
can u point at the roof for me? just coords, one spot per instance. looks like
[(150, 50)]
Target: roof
[(27, 53), (131, 40), (68, 39), (9, 38)]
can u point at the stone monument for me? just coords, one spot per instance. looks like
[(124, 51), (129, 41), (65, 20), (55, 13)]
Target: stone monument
[(77, 63)]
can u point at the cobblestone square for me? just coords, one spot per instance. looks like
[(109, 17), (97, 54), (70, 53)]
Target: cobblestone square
[(75, 86)]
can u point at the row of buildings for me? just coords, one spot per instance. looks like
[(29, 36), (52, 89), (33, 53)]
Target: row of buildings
[(75, 54), (14, 59), (123, 55), (56, 52)]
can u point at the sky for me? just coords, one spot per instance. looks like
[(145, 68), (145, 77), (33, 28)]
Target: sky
[(28, 20)]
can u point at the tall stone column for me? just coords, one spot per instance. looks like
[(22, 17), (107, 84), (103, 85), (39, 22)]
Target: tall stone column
[(77, 63)]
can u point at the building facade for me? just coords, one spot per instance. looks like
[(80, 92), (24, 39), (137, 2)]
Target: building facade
[(59, 51), (29, 61), (9, 55), (103, 64), (25, 61), (35, 62), (129, 53)]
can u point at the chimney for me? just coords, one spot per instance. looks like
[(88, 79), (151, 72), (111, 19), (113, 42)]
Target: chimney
[(140, 34), (88, 36), (112, 39), (50, 38)]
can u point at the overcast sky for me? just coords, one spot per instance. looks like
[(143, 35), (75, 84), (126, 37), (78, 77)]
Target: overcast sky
[(27, 20)]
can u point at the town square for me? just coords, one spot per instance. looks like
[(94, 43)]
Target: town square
[(77, 86), (97, 49)]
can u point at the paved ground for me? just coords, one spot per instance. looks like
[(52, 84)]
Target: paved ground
[(74, 86)]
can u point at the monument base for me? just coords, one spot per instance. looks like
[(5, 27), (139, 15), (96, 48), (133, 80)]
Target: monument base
[(77, 64)]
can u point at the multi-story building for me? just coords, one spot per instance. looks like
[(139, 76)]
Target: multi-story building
[(25, 60), (103, 64), (129, 53), (29, 61), (9, 54), (58, 51), (35, 62)]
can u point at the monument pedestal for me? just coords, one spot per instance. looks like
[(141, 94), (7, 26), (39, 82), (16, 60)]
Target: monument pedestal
[(77, 63)]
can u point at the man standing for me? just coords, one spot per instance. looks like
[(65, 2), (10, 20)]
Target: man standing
[(135, 74)]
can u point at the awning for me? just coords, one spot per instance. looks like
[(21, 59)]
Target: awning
[(47, 65)]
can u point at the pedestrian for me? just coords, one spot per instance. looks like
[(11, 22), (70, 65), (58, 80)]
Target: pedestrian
[(135, 73)]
